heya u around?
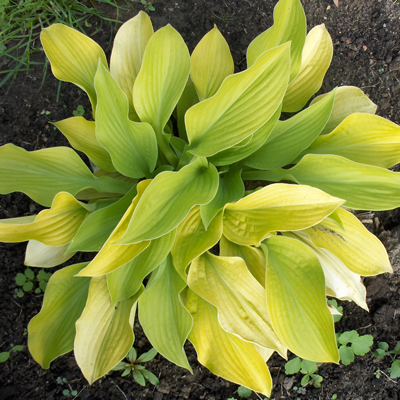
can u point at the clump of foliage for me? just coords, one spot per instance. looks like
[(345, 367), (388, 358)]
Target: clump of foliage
[(238, 273), (308, 368), (382, 351), (351, 343), (67, 392), (27, 280)]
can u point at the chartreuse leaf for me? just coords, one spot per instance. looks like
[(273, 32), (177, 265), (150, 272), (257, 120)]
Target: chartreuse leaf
[(81, 134), (348, 100), (230, 189), (51, 333), (316, 58), (43, 256), (126, 281), (360, 250), (290, 25), (164, 320), (73, 56), (364, 138), (104, 334), (295, 288), (224, 354), (364, 187), (343, 283), (98, 226), (132, 145), (290, 137), (161, 81), (41, 174), (192, 239), (242, 105), (226, 283), (170, 196), (252, 256), (53, 227), (279, 207), (212, 62), (112, 255), (127, 54), (187, 100)]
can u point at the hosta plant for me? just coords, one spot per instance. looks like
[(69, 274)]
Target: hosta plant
[(240, 270)]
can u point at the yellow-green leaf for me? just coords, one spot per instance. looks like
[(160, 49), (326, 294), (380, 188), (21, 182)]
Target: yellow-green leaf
[(296, 301), (225, 354), (43, 256)]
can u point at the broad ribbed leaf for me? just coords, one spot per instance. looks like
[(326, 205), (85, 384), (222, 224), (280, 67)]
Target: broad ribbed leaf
[(360, 250), (279, 207), (51, 333), (73, 56), (348, 100), (39, 255), (290, 25), (290, 137), (295, 287), (192, 239), (169, 198), (316, 58), (165, 321), (104, 334), (41, 174), (242, 105), (226, 283), (132, 145), (53, 227), (225, 354), (212, 62), (364, 138)]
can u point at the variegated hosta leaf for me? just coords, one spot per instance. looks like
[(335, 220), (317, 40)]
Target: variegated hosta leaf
[(230, 189), (364, 138), (41, 174), (164, 320), (51, 333), (290, 137), (53, 227), (112, 255), (279, 207), (212, 62), (296, 301), (81, 134), (342, 283), (73, 56), (226, 283), (360, 250), (364, 187), (132, 145), (252, 256), (290, 25), (348, 100), (225, 354), (39, 255), (242, 105), (98, 226), (316, 58), (169, 198), (104, 333), (192, 239), (127, 54), (126, 281)]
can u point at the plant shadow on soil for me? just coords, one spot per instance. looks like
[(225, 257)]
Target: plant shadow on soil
[(366, 54)]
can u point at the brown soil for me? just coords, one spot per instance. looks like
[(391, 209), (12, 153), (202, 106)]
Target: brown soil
[(366, 54)]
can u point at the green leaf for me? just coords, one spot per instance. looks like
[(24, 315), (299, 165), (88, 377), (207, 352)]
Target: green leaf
[(150, 377), (244, 392), (305, 379), (296, 301), (139, 378), (29, 274), (346, 355), (41, 174), (28, 286), (362, 345), (383, 346), (51, 333), (146, 357), (348, 337), (308, 367), (395, 369), (18, 347), (380, 353), (20, 279), (43, 286), (42, 275), (4, 356), (165, 321), (170, 197), (293, 366), (132, 145)]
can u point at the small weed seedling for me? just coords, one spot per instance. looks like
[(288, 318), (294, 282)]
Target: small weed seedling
[(67, 392), (79, 112), (351, 343), (139, 373), (148, 6), (5, 355), (308, 368), (244, 393), (383, 351), (27, 279)]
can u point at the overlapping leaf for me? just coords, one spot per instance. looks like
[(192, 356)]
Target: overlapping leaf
[(43, 256)]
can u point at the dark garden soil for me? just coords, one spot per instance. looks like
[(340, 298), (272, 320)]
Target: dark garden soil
[(365, 35)]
